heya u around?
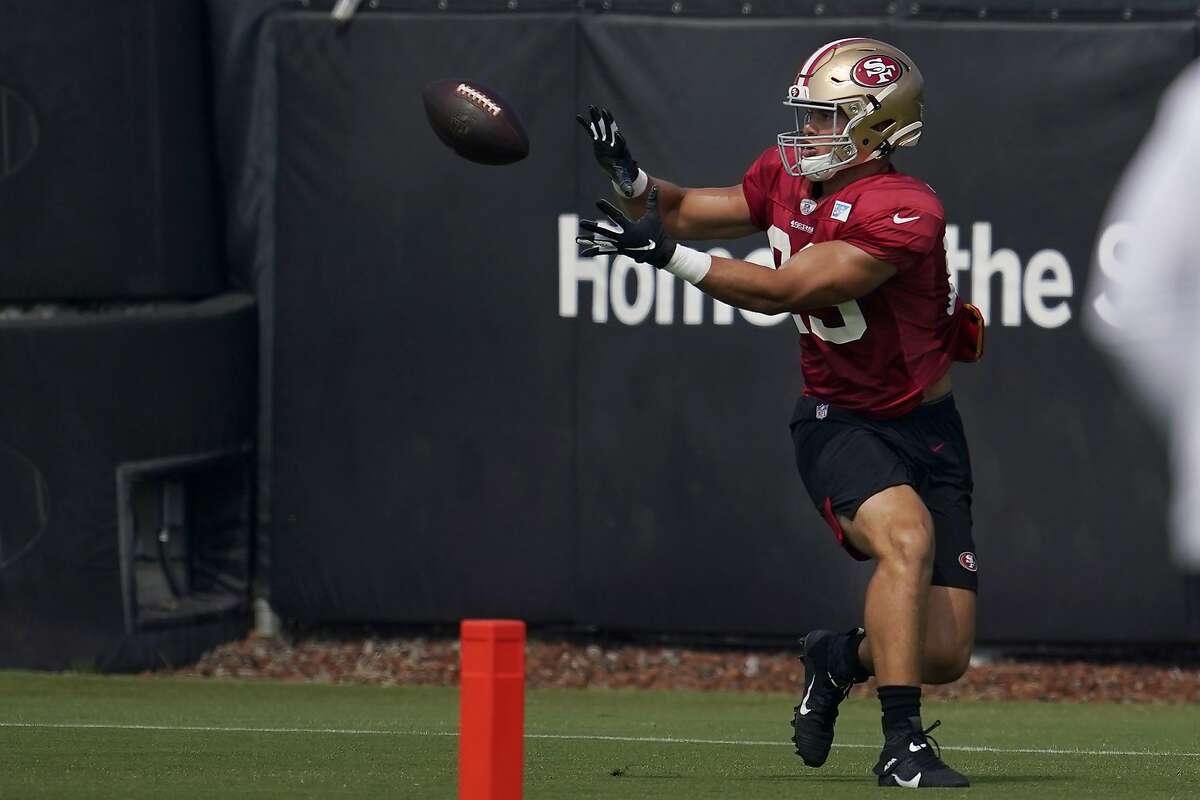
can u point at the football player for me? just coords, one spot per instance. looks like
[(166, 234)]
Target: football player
[(861, 266)]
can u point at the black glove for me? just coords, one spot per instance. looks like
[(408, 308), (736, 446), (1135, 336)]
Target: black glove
[(643, 239), (608, 145)]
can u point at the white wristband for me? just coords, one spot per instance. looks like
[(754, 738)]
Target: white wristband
[(689, 264), (639, 185)]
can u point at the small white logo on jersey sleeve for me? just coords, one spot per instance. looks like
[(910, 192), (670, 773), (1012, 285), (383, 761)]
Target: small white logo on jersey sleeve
[(841, 211), (899, 220)]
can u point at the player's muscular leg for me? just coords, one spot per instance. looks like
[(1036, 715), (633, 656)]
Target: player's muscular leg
[(949, 636), (949, 633), (895, 529)]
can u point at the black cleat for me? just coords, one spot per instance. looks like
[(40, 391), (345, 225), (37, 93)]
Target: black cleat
[(818, 710), (909, 760)]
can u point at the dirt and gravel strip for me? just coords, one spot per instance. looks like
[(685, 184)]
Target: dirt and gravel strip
[(434, 661)]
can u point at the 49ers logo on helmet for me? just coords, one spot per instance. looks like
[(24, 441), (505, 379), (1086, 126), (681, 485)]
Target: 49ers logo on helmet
[(876, 71)]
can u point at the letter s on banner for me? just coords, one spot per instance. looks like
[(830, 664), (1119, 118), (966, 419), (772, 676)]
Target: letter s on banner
[(1107, 259)]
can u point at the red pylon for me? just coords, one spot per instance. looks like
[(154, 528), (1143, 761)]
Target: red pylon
[(491, 736)]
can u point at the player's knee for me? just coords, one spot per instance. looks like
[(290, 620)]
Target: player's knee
[(910, 543)]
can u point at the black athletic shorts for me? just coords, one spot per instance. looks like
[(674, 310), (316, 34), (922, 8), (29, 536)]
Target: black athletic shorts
[(844, 459)]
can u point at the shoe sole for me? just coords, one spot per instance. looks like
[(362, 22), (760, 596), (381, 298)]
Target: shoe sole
[(887, 781), (807, 757)]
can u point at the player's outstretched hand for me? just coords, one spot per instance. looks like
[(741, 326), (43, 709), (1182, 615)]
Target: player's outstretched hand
[(643, 239), (610, 149)]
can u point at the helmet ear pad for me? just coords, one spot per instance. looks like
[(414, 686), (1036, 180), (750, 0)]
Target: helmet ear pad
[(906, 136)]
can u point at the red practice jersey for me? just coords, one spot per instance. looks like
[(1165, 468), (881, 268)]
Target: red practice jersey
[(875, 355)]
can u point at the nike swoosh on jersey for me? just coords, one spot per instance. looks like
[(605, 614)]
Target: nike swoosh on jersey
[(899, 220), (912, 783), (804, 709)]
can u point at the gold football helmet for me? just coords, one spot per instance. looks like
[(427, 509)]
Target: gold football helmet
[(856, 99)]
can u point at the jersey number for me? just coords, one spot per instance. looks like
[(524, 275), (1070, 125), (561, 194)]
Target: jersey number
[(853, 326)]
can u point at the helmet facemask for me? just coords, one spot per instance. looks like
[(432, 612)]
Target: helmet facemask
[(835, 122)]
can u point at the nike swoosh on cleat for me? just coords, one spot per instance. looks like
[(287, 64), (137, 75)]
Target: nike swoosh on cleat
[(899, 220), (912, 783), (915, 749), (804, 709)]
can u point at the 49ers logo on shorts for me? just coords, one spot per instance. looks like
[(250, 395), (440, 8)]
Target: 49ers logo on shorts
[(876, 71), (967, 560)]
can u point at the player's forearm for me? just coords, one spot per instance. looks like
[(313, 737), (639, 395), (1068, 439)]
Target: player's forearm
[(745, 285), (695, 214), (770, 291), (670, 197)]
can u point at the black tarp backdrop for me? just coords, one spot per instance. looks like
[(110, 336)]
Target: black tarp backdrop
[(452, 438), (115, 194), (244, 71), (85, 393), (423, 415)]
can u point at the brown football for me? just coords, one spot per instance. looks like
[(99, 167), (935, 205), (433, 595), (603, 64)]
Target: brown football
[(475, 121)]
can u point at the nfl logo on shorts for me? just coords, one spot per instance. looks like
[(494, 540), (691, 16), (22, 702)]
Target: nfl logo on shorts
[(822, 410)]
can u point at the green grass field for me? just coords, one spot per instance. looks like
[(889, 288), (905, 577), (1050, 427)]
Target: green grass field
[(80, 736)]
